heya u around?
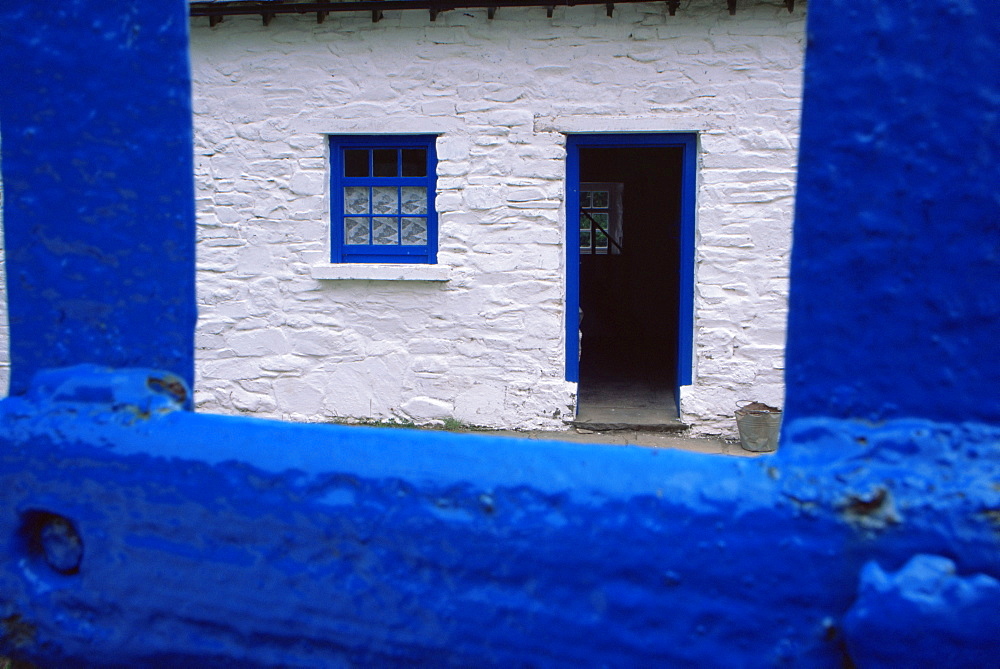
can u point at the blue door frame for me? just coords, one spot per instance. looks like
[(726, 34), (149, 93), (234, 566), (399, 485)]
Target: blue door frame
[(688, 142)]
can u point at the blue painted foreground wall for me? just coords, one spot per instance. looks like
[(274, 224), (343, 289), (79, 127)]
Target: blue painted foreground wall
[(137, 533), (217, 541)]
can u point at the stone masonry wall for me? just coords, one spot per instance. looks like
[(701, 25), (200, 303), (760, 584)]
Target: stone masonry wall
[(4, 328), (485, 347)]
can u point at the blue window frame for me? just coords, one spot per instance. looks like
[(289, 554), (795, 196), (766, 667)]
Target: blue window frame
[(382, 199)]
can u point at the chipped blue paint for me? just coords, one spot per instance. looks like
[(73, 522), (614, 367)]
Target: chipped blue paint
[(137, 533)]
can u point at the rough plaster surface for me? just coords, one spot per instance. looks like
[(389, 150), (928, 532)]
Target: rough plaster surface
[(486, 346), (140, 534)]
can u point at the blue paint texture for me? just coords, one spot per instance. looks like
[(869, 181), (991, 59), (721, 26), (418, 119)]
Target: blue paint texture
[(98, 185), (135, 532), (899, 618), (263, 543), (894, 307)]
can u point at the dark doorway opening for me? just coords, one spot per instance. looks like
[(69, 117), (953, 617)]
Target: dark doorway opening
[(629, 287)]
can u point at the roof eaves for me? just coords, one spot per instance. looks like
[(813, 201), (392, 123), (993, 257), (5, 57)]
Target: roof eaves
[(216, 10)]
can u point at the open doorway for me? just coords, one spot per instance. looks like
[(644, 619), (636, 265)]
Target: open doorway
[(630, 197)]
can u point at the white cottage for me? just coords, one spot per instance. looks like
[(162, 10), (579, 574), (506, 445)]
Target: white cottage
[(404, 207), (403, 213)]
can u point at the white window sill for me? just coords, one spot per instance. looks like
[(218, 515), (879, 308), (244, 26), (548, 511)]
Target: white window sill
[(380, 272)]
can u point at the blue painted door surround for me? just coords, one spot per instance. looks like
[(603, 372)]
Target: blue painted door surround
[(688, 143)]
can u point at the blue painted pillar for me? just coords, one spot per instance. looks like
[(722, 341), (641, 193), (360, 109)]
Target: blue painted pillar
[(895, 298), (98, 184)]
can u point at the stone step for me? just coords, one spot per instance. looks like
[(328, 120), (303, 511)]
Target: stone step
[(605, 425)]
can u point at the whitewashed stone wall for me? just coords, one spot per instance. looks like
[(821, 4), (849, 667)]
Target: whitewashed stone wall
[(4, 328), (486, 345)]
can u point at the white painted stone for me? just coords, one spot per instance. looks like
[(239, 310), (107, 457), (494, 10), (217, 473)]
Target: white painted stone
[(427, 408), (252, 403), (481, 336), (4, 327), (483, 197), (304, 400)]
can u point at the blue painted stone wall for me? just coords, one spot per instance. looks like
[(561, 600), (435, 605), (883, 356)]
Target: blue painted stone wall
[(219, 541), (894, 306), (97, 177), (136, 533)]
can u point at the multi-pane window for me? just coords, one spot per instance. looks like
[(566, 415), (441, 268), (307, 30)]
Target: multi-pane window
[(382, 197), (600, 218)]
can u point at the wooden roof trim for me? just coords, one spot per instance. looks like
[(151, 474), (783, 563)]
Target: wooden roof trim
[(268, 9)]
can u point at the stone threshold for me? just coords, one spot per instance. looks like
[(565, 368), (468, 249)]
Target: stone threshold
[(602, 426)]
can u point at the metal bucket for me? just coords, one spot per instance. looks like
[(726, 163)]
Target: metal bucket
[(759, 426)]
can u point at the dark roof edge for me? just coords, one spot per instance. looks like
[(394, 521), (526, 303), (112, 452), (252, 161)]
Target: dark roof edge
[(268, 9)]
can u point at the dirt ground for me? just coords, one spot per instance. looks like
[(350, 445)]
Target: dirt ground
[(631, 438)]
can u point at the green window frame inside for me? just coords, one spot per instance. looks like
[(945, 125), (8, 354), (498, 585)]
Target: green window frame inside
[(382, 199)]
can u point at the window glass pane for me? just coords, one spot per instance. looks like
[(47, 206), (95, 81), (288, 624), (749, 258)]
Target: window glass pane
[(385, 231), (585, 239), (601, 199), (601, 219), (356, 200), (384, 200), (414, 231), (356, 162), (413, 199), (585, 199), (414, 162), (356, 230), (584, 222), (600, 240), (384, 163)]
